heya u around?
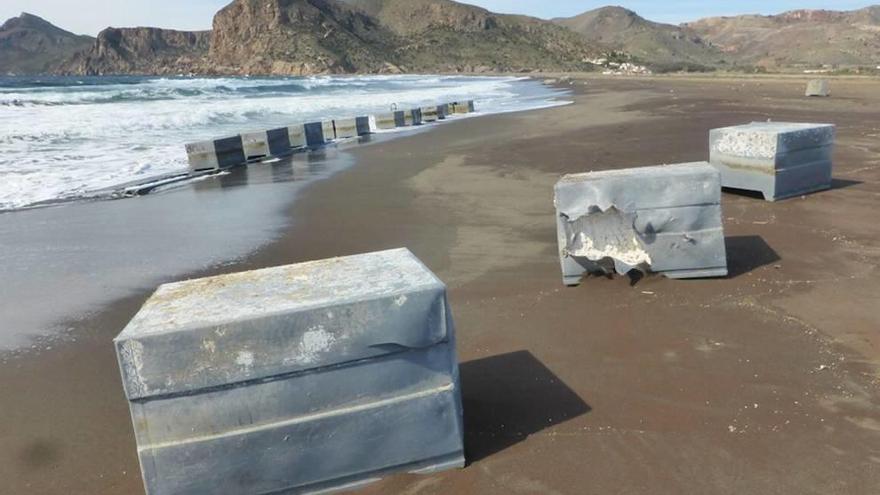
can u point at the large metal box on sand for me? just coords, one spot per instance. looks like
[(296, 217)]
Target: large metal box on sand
[(778, 159), (297, 379), (663, 219)]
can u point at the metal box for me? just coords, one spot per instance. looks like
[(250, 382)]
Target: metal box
[(296, 379), (663, 219), (778, 159)]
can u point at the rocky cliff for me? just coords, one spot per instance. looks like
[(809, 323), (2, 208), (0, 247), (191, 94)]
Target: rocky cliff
[(31, 45), (299, 37), (142, 51)]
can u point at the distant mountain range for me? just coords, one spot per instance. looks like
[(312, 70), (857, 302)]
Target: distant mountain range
[(297, 37)]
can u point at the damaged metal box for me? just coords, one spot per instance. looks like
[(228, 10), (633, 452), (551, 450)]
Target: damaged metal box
[(662, 219), (297, 379), (778, 159)]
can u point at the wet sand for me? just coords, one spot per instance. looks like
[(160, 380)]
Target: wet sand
[(763, 382)]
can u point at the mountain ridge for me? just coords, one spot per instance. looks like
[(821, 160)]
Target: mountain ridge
[(797, 38), (31, 44), (652, 42), (301, 37)]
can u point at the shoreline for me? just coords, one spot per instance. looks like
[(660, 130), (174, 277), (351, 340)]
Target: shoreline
[(565, 388), (98, 219)]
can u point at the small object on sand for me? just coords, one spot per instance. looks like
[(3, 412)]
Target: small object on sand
[(216, 154), (818, 87), (780, 160), (662, 219), (302, 378)]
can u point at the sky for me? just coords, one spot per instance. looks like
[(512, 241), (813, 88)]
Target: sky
[(90, 16)]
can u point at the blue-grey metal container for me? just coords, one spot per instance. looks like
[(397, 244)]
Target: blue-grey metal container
[(296, 379), (662, 219), (778, 159)]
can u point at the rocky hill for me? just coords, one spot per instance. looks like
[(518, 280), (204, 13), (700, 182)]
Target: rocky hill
[(299, 37), (295, 37), (442, 35), (31, 45), (659, 45), (801, 38), (142, 51)]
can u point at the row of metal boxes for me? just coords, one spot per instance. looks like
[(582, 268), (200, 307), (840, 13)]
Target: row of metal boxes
[(255, 146)]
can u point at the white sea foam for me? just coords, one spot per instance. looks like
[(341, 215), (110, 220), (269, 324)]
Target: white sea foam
[(63, 138)]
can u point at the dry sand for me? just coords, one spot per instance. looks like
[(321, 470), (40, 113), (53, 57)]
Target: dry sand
[(764, 382)]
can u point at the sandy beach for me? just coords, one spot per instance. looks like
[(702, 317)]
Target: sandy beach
[(766, 382)]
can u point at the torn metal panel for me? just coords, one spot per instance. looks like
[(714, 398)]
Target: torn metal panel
[(299, 378), (663, 219), (778, 159)]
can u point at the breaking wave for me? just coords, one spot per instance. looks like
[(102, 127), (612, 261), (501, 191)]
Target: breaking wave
[(65, 136)]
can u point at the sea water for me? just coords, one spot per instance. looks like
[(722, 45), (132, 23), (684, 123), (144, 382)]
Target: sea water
[(64, 138)]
